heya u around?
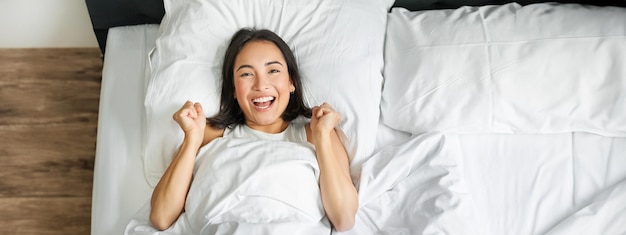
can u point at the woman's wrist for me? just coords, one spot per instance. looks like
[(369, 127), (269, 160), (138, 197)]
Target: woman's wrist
[(322, 134), (321, 138), (193, 141)]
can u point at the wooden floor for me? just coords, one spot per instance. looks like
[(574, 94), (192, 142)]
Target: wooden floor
[(48, 120)]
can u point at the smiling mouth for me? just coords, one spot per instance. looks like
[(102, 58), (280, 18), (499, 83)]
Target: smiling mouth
[(263, 102)]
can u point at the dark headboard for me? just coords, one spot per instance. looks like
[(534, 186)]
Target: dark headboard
[(416, 5), (106, 14)]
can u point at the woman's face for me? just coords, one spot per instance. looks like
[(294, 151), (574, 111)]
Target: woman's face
[(262, 85)]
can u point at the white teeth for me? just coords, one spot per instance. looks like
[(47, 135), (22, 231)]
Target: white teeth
[(263, 99)]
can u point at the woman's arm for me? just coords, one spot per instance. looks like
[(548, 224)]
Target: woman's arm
[(168, 197), (339, 196)]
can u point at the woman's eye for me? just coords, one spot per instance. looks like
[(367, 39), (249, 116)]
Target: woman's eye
[(245, 74), (274, 71)]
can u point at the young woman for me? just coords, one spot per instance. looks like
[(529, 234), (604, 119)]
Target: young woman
[(261, 91)]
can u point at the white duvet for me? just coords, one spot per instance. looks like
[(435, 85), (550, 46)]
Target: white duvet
[(435, 183), (244, 186)]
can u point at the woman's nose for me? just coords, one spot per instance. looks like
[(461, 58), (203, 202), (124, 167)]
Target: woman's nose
[(261, 82)]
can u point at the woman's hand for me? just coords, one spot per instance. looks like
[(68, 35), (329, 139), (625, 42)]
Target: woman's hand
[(191, 119), (324, 119)]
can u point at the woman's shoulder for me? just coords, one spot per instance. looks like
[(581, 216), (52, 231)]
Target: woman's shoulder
[(308, 132), (302, 133), (211, 133)]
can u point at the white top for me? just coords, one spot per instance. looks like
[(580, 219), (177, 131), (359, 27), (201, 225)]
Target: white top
[(295, 132)]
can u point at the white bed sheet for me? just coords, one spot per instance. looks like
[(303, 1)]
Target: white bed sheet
[(120, 187)]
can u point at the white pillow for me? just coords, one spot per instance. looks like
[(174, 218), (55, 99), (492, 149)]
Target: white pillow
[(338, 45), (542, 68)]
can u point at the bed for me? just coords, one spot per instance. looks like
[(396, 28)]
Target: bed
[(488, 118)]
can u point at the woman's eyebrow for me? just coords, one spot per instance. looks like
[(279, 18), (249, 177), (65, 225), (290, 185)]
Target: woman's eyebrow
[(266, 64), (244, 66), (273, 62)]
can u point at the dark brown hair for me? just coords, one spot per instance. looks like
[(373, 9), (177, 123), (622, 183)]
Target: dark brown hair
[(230, 113)]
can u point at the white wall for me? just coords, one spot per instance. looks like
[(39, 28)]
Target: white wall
[(45, 23)]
